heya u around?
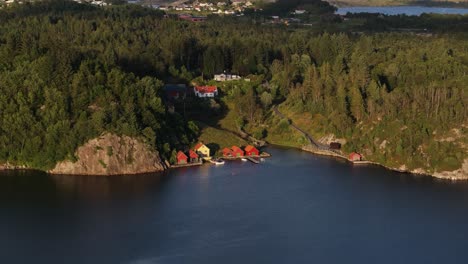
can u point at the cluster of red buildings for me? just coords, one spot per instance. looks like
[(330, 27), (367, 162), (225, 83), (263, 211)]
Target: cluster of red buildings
[(182, 158), (235, 151), (199, 151)]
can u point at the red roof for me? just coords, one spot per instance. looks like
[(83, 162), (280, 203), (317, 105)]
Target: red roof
[(250, 148), (197, 146), (185, 16), (355, 156), (206, 89), (181, 156), (193, 155), (227, 151), (236, 149)]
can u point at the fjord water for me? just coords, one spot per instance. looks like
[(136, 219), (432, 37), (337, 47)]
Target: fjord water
[(293, 208), (402, 10)]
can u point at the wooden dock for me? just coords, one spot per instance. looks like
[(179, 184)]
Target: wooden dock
[(256, 161), (361, 162), (187, 165)]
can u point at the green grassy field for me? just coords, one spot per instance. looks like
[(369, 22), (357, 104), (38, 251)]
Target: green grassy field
[(217, 139)]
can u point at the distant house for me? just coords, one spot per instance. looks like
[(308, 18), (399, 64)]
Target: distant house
[(227, 152), (192, 18), (251, 151), (198, 18), (299, 11), (175, 91), (237, 152), (355, 156), (205, 91), (193, 156), (181, 158), (226, 77), (202, 150), (335, 145)]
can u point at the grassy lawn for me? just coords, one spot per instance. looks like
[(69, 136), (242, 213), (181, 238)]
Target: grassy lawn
[(217, 139), (229, 121), (280, 133)]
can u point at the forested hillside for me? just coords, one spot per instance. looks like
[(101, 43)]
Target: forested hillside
[(70, 72), (399, 2)]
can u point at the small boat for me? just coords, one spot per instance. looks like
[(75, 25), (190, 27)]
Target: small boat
[(244, 159), (218, 161)]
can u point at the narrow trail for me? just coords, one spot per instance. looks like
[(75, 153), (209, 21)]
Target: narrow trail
[(312, 141)]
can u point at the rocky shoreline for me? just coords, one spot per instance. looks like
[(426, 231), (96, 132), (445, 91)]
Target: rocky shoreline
[(98, 164), (107, 155), (457, 175)]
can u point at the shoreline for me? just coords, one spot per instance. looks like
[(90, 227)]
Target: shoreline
[(373, 163), (369, 162), (440, 176)]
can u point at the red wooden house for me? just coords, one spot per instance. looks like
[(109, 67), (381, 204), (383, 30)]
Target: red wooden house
[(251, 151), (237, 152), (181, 158), (193, 156), (227, 152), (355, 156)]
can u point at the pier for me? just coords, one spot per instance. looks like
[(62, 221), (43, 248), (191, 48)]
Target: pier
[(256, 161), (191, 164)]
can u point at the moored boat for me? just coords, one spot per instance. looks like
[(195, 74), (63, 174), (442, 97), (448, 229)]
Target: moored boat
[(218, 161)]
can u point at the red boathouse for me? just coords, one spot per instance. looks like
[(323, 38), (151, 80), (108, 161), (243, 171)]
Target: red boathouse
[(193, 156), (237, 152), (227, 152), (355, 156), (181, 158), (251, 151)]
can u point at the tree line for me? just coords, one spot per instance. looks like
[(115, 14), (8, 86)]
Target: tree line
[(69, 72)]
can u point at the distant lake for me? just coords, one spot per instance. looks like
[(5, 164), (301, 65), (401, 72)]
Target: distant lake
[(399, 10), (294, 207)]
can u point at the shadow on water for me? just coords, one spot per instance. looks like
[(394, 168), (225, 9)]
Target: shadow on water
[(38, 187)]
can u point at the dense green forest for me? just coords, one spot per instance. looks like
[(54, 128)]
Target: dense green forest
[(69, 72)]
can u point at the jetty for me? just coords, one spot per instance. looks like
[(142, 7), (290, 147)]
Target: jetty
[(191, 164), (361, 162), (256, 161)]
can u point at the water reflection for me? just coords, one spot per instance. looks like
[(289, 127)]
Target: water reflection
[(33, 185), (98, 187)]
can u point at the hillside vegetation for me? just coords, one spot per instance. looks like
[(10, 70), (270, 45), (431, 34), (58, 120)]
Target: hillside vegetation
[(399, 2), (70, 72)]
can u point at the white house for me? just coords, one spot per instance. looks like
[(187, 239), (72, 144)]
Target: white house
[(226, 77)]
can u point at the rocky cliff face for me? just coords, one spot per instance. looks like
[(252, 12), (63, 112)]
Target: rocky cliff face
[(112, 155)]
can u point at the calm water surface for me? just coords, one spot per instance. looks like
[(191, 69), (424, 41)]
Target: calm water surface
[(293, 208), (399, 10)]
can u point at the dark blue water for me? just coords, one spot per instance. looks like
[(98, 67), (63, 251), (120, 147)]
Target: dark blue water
[(293, 208), (399, 10)]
